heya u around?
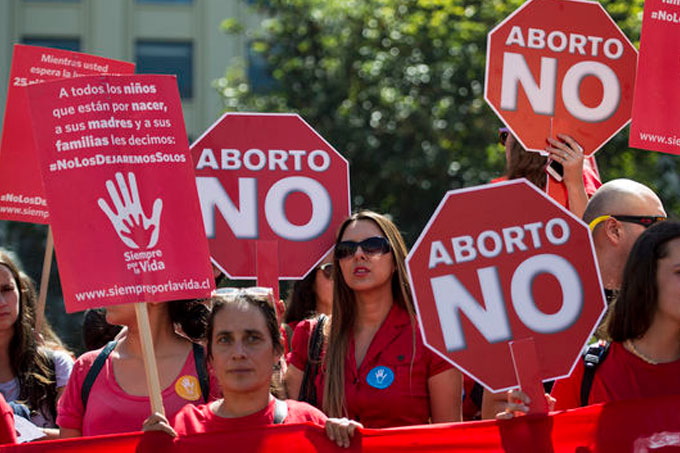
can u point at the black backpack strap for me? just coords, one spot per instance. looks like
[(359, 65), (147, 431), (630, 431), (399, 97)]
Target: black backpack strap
[(203, 378), (308, 387), (94, 370), (280, 411), (476, 394), (593, 358)]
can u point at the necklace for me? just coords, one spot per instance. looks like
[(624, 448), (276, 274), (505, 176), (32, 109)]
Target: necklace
[(631, 347)]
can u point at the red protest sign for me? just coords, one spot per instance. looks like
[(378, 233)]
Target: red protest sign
[(22, 196), (269, 177), (656, 117), (522, 267), (119, 180), (560, 67)]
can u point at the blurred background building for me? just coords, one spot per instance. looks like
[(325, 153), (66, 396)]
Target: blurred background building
[(181, 37)]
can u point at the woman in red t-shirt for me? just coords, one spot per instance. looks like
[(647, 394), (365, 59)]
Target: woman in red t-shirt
[(244, 347), (376, 369), (644, 325)]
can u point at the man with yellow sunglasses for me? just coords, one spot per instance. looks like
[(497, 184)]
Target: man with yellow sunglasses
[(617, 214)]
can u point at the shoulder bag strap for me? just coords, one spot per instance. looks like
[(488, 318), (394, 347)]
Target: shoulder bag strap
[(94, 370), (592, 360), (308, 387)]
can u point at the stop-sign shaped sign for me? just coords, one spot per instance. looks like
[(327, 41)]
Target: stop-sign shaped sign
[(560, 66), (264, 177), (520, 267)]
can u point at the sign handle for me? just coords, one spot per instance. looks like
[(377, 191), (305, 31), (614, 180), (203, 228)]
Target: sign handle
[(528, 372), (150, 367), (44, 280), (267, 266)]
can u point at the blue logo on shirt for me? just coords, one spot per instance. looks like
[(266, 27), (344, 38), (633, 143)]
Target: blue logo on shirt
[(380, 377)]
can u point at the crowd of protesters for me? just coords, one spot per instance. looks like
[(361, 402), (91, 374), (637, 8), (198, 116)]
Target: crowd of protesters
[(349, 353)]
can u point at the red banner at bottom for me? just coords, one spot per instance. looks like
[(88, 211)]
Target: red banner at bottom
[(639, 426)]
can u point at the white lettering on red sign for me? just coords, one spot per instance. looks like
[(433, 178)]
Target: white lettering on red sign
[(558, 41), (243, 220), (255, 159), (541, 95), (490, 244), (491, 320)]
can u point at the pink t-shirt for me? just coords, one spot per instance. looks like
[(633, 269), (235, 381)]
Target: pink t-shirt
[(111, 410), (200, 419)]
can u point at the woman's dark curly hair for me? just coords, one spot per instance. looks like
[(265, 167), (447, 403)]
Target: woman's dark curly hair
[(31, 364)]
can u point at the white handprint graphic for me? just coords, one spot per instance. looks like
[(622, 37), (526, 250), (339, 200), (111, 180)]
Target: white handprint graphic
[(189, 386), (380, 375), (129, 218)]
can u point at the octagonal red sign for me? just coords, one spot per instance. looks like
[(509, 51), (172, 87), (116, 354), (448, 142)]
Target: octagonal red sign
[(501, 263), (269, 177), (560, 66)]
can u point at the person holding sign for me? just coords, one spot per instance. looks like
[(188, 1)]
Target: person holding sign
[(105, 393), (376, 368), (643, 358), (244, 347), (31, 373)]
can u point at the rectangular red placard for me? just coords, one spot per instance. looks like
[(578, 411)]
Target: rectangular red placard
[(22, 196), (656, 116), (118, 176)]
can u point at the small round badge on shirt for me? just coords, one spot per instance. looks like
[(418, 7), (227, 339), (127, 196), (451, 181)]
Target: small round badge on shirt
[(188, 388), (380, 377)]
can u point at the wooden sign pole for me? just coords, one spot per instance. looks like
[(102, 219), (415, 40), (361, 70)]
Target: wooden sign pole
[(150, 366), (44, 281)]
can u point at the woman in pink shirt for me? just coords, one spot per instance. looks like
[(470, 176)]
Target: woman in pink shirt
[(117, 400)]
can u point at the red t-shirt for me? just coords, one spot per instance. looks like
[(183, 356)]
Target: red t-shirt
[(7, 433), (389, 388), (620, 376), (111, 410), (200, 419)]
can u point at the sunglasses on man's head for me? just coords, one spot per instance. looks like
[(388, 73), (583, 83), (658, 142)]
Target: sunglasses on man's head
[(644, 220), (327, 269), (376, 245), (503, 135)]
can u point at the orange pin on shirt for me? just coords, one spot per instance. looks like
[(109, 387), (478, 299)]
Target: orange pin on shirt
[(188, 388)]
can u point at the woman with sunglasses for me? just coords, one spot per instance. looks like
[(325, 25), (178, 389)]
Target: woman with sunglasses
[(244, 346), (643, 358), (117, 400), (375, 367), (312, 295)]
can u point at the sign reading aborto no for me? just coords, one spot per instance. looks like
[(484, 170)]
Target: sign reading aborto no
[(269, 177)]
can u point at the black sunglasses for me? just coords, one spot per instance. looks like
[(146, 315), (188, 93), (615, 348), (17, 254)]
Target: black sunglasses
[(503, 135), (327, 269), (644, 220), (376, 245)]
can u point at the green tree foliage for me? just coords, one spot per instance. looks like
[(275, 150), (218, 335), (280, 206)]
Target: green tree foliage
[(397, 87)]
